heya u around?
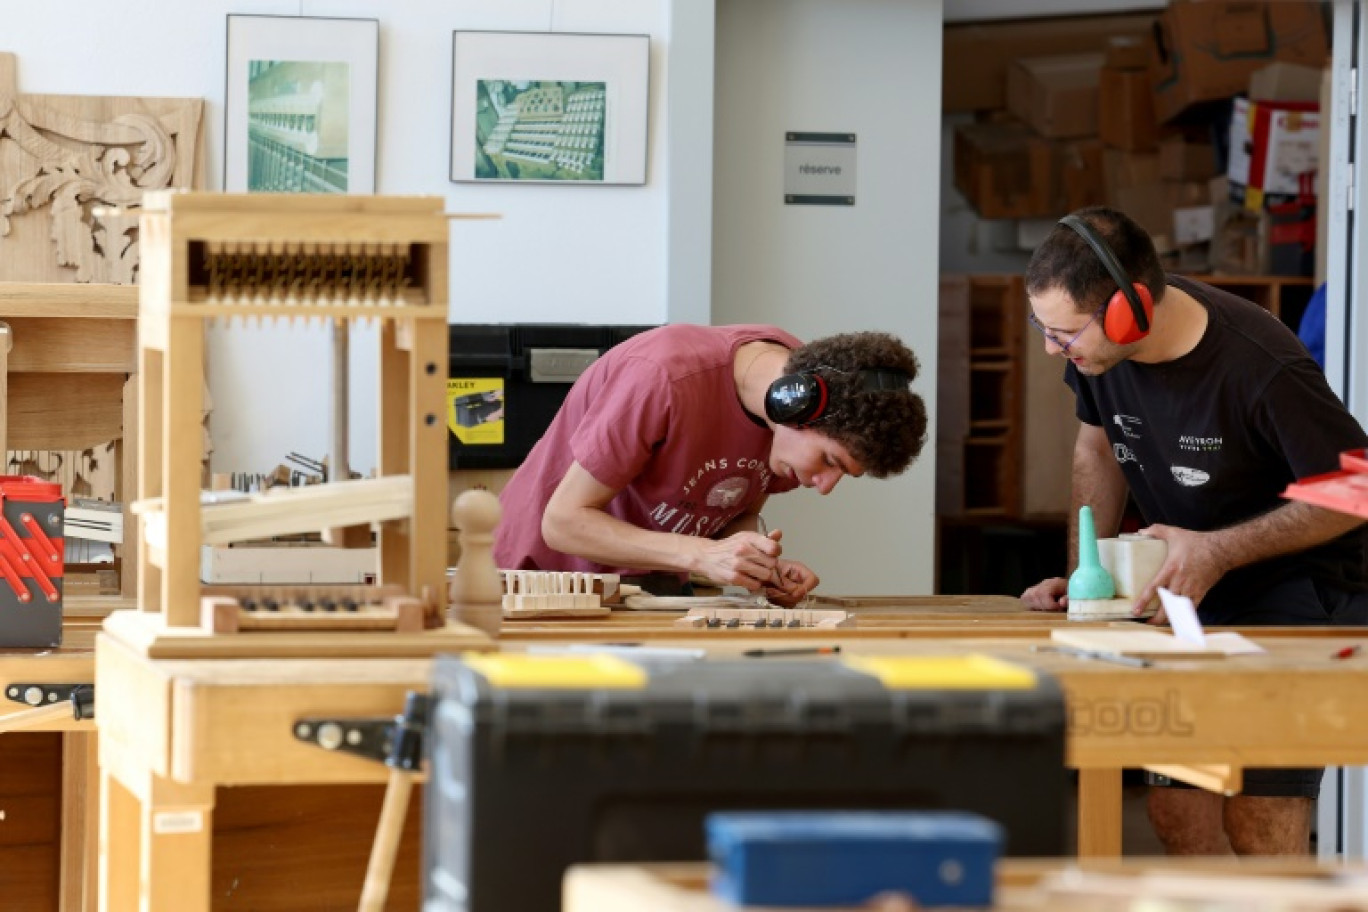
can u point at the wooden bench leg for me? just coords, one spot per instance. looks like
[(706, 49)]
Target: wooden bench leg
[(80, 823), (1099, 813)]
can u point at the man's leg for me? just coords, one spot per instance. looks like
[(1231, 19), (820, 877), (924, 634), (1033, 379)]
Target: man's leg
[(1187, 820), (1269, 826)]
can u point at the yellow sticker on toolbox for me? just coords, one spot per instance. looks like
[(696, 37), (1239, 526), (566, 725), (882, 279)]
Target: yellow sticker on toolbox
[(475, 410), (574, 672), (968, 672)]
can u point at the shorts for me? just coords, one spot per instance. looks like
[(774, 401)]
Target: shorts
[(1297, 602), (1263, 782)]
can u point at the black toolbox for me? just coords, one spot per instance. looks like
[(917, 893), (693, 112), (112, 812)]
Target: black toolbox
[(505, 382), (539, 762)]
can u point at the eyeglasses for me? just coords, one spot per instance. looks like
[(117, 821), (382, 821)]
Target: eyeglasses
[(1050, 334)]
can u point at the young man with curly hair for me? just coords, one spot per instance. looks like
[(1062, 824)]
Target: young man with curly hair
[(1202, 407), (658, 463)]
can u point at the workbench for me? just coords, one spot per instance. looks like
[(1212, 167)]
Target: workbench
[(683, 887), (73, 806), (72, 758), (878, 617), (1293, 707), (74, 773), (181, 728)]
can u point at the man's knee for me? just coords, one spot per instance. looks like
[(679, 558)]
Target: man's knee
[(1187, 821), (1269, 826)]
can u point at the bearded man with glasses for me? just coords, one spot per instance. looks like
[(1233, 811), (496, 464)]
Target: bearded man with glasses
[(1202, 407)]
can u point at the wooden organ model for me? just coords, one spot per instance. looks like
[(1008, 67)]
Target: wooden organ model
[(338, 259)]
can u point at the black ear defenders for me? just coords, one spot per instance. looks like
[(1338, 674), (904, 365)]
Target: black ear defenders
[(1123, 322), (798, 400)]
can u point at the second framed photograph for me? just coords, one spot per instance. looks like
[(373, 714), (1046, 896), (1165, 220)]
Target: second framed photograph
[(549, 107), (300, 104)]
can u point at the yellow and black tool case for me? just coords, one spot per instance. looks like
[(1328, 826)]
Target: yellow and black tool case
[(537, 762)]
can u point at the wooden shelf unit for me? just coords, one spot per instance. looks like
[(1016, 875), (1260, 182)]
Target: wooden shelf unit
[(68, 381), (1284, 296), (1004, 440)]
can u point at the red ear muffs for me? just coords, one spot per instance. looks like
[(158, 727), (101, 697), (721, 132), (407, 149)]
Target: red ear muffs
[(1130, 311), (1122, 323)]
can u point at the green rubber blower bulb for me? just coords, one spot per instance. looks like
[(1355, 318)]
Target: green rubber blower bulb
[(1090, 580)]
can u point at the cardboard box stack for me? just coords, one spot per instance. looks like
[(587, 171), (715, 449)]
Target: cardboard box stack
[(1056, 96), (1034, 151), (1275, 148), (1125, 100), (1205, 51), (1004, 170), (1201, 123)]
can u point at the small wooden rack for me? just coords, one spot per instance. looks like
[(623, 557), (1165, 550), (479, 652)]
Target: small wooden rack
[(245, 609), (541, 593), (334, 259)]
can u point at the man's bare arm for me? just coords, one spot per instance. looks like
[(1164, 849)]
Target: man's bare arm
[(576, 522), (1197, 560)]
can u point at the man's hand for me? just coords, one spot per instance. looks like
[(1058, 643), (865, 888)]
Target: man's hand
[(792, 583), (1191, 568), (1048, 595), (746, 559)]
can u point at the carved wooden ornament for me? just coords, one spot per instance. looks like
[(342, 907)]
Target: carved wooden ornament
[(72, 173)]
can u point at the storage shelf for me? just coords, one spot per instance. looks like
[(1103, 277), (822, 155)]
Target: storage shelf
[(1283, 296)]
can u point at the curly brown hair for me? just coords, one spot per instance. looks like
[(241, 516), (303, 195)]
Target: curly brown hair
[(883, 430)]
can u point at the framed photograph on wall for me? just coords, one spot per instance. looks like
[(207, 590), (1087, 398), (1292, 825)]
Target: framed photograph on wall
[(300, 104), (549, 107)]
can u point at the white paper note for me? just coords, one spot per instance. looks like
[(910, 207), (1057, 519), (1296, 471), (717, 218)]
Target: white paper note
[(1232, 643), (1182, 617)]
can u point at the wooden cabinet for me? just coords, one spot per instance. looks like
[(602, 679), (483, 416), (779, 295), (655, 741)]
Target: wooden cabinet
[(1005, 425)]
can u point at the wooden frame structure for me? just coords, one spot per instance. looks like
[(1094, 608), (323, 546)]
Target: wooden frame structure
[(212, 256)]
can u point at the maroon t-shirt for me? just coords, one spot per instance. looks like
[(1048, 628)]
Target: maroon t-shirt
[(657, 419)]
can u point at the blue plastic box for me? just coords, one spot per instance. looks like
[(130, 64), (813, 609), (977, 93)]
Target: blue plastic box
[(801, 858)]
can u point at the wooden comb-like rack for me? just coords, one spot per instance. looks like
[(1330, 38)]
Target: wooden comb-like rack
[(543, 593), (761, 617), (248, 609)]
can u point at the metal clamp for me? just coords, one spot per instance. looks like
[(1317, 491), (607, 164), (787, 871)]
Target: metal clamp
[(81, 696), (396, 741), (43, 694)]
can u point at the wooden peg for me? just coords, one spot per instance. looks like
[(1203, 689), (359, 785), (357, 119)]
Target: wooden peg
[(476, 590)]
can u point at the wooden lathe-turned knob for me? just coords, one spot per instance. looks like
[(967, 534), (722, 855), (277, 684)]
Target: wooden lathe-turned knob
[(476, 591)]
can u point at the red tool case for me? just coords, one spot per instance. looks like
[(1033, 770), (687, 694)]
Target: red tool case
[(31, 554)]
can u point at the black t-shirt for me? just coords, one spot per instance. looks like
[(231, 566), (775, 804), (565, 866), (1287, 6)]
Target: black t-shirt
[(1213, 438)]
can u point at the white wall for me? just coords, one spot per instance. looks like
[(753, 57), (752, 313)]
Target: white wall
[(601, 254), (871, 67)]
